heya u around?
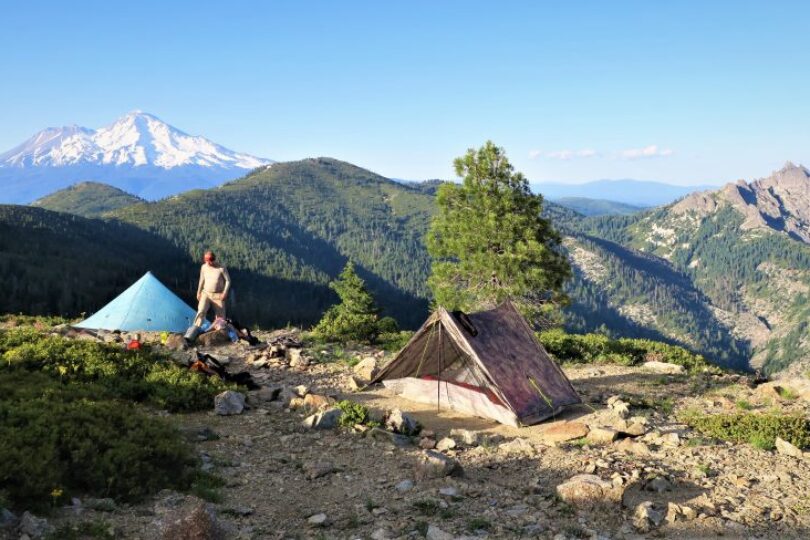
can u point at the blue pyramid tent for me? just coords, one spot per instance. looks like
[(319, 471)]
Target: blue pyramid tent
[(148, 305)]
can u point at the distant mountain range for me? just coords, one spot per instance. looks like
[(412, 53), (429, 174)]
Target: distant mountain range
[(640, 193), (597, 207), (138, 153)]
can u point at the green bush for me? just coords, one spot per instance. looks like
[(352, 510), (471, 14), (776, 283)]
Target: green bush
[(353, 414), (760, 430), (59, 441), (598, 348), (140, 376)]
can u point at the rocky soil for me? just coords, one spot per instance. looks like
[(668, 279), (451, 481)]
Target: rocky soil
[(618, 466)]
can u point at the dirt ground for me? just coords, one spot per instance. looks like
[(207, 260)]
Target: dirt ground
[(279, 474)]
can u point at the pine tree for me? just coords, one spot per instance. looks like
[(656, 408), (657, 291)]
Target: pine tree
[(489, 241), (356, 318)]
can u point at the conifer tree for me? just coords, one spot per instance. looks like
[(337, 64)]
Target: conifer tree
[(489, 242), (356, 318)]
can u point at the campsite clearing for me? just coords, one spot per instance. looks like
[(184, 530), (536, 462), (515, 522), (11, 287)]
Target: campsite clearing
[(282, 480)]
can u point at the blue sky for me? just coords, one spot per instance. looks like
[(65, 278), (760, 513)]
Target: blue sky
[(683, 92)]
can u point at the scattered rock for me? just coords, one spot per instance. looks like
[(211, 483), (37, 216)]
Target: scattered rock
[(318, 469), (327, 419), (317, 402), (602, 435), (589, 490), (447, 443), (564, 431), (646, 517), (366, 369), (192, 521), (229, 402), (318, 520), (671, 439), (664, 368), (633, 447), (397, 439), (658, 485), (296, 358), (404, 486), (432, 464), (466, 437), (33, 526), (449, 491), (427, 443), (619, 407), (435, 533), (399, 422), (518, 445), (355, 384), (787, 449), (268, 393)]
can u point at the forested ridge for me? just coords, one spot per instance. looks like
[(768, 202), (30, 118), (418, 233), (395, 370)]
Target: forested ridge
[(287, 230)]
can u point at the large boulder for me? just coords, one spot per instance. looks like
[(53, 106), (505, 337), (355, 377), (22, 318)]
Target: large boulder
[(366, 369), (229, 402), (787, 449), (589, 490), (432, 464)]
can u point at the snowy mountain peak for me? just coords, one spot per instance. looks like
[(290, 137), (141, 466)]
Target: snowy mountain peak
[(136, 139)]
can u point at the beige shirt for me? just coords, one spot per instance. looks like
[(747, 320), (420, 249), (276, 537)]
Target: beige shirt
[(214, 279)]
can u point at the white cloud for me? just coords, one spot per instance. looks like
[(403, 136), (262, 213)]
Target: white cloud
[(646, 152), (564, 155)]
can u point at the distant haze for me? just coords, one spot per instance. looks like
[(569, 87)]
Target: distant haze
[(632, 192)]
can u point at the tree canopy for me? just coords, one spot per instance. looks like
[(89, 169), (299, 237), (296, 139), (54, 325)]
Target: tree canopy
[(489, 241)]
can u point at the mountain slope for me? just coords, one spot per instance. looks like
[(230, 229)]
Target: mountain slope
[(56, 263), (300, 222), (88, 199), (138, 153), (744, 251)]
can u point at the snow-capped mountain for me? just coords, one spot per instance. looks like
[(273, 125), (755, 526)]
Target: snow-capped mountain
[(138, 153)]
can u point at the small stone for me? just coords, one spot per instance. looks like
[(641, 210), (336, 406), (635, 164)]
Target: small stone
[(432, 464), (435, 533), (658, 485), (397, 439), (318, 469), (787, 449), (466, 436), (382, 534), (196, 521), (646, 517), (601, 435), (327, 419), (399, 422), (426, 443), (355, 384), (449, 491), (589, 490), (671, 439), (404, 486), (213, 338), (296, 358), (318, 520), (229, 403), (633, 447), (175, 342), (317, 402), (564, 431), (445, 444), (301, 390)]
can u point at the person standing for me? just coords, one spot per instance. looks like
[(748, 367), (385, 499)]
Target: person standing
[(212, 289)]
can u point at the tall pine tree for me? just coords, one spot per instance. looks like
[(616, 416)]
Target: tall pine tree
[(489, 242)]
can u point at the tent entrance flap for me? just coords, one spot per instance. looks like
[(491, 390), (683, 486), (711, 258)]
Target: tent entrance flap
[(501, 360)]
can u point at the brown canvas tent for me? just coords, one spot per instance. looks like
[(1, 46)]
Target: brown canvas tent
[(487, 364)]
